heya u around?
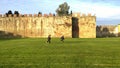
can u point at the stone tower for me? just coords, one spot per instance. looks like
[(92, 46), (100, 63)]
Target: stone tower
[(85, 26)]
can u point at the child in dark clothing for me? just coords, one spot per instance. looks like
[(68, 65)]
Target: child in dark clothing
[(62, 38), (49, 39)]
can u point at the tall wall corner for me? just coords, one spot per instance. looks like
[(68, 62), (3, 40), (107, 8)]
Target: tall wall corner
[(118, 30)]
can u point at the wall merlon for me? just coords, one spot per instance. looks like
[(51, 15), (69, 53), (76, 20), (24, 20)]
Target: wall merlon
[(39, 15), (35, 15), (0, 15), (15, 15), (50, 14), (76, 14), (4, 15), (83, 15), (45, 15), (20, 15), (30, 15), (89, 14), (10, 15), (25, 15)]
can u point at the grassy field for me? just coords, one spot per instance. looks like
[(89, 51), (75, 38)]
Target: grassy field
[(73, 53)]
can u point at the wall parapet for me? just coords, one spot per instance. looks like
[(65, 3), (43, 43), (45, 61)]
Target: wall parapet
[(47, 15), (107, 30), (41, 25), (83, 15)]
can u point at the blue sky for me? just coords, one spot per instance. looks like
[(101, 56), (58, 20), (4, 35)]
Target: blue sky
[(106, 11)]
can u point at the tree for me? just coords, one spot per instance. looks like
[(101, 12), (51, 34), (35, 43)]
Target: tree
[(71, 13), (17, 13), (6, 14), (39, 12), (10, 12), (63, 9)]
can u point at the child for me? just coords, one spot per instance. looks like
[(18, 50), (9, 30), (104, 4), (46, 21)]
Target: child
[(49, 39), (62, 38)]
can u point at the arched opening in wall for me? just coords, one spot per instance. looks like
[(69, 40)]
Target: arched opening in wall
[(75, 28)]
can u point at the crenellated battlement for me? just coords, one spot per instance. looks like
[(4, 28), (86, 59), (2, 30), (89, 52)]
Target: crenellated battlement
[(41, 25), (82, 15), (46, 15)]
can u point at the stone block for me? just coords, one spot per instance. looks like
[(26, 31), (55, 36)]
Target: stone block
[(9, 15), (25, 15), (89, 14), (50, 14), (35, 15), (0, 15), (39, 15), (30, 15), (15, 15), (45, 15)]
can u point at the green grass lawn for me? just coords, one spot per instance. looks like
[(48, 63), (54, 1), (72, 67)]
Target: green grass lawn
[(73, 53)]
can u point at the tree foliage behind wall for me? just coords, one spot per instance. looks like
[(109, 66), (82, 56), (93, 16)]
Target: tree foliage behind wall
[(11, 13), (63, 9), (17, 13)]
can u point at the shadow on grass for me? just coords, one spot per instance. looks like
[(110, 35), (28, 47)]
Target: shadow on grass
[(8, 35)]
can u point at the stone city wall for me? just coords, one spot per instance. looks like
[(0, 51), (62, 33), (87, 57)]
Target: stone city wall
[(119, 30), (108, 30), (87, 25), (41, 26)]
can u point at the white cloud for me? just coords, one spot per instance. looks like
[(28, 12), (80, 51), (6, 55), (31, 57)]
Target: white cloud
[(102, 10), (106, 11)]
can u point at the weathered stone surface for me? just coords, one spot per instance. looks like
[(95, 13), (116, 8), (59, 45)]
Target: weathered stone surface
[(0, 15), (87, 27), (42, 26), (107, 31), (119, 30)]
